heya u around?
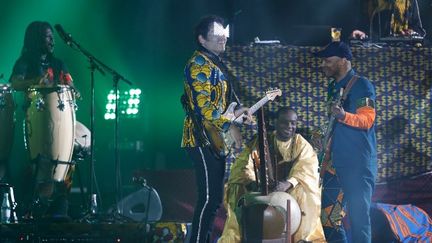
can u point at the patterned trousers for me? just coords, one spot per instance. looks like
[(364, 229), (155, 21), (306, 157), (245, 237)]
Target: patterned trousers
[(332, 205)]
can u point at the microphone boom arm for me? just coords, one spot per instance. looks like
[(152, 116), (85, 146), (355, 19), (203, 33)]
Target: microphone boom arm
[(98, 65)]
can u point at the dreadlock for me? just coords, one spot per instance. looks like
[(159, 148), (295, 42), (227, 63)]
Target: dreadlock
[(34, 39)]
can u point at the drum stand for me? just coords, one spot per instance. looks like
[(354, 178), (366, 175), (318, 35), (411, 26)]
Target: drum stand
[(13, 203), (96, 64)]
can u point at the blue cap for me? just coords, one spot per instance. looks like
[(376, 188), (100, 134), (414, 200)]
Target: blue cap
[(336, 48)]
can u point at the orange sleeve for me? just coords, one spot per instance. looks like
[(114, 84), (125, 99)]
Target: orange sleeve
[(363, 118)]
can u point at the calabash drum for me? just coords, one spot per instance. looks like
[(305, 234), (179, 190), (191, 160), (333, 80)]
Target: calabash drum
[(278, 200), (50, 129), (7, 121)]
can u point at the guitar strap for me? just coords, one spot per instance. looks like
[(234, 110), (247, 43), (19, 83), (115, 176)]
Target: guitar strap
[(348, 88)]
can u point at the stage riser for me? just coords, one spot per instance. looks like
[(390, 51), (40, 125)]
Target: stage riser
[(79, 239), (96, 232)]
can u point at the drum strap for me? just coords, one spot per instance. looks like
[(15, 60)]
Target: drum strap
[(59, 162), (54, 161)]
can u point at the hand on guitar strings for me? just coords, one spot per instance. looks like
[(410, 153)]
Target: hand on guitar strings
[(337, 111), (247, 117)]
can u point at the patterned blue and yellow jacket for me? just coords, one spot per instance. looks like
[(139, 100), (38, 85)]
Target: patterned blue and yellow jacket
[(207, 89)]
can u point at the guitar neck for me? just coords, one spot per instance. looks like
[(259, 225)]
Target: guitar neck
[(258, 105), (328, 132)]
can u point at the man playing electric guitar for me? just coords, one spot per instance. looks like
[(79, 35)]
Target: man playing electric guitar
[(207, 94)]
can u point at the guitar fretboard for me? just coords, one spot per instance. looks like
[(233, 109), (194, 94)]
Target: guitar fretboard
[(254, 108), (258, 105)]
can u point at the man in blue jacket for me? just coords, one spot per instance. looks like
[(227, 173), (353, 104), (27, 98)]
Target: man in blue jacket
[(352, 149)]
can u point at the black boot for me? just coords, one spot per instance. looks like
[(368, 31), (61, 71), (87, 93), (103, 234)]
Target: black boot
[(58, 207)]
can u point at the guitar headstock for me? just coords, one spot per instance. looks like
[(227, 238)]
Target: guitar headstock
[(273, 93)]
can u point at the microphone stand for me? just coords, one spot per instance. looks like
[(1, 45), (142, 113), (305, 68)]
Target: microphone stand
[(96, 64), (118, 192), (93, 67)]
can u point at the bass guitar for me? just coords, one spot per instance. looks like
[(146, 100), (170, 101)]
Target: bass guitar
[(329, 128)]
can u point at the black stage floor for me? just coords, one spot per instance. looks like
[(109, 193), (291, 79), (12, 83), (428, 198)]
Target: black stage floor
[(93, 232)]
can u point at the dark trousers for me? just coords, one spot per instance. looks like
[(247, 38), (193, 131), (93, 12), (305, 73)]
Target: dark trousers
[(209, 174), (358, 186)]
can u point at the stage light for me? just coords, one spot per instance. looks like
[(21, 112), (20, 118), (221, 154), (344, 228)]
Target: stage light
[(129, 101)]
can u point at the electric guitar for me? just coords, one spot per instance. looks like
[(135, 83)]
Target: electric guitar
[(329, 129), (222, 142)]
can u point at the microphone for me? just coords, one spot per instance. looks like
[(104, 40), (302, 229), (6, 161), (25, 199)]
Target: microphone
[(67, 38)]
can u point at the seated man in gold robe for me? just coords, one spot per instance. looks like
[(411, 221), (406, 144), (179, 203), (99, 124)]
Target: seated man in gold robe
[(297, 174)]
